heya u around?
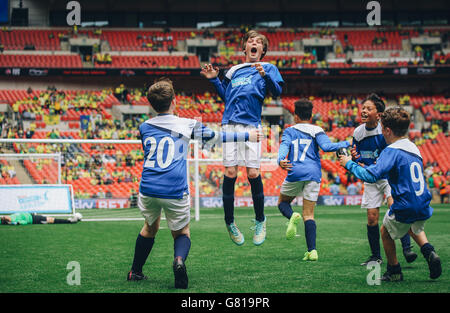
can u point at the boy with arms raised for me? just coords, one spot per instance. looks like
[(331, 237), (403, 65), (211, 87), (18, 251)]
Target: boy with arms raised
[(368, 143), (299, 155), (243, 90), (402, 163), (165, 139)]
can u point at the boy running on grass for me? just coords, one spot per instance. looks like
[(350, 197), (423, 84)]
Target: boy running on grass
[(299, 155)]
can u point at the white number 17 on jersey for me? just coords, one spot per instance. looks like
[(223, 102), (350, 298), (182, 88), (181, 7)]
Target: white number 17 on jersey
[(296, 144)]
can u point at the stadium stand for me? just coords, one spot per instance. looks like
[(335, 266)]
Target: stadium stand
[(143, 61), (18, 39), (36, 60), (352, 47)]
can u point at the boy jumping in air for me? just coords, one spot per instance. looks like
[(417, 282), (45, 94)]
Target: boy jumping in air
[(243, 90)]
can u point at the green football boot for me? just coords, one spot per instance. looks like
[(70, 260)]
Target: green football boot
[(291, 230)]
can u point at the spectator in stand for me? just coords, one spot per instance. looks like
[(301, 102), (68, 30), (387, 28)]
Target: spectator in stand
[(334, 188), (352, 190), (108, 194), (29, 134), (101, 194), (418, 51)]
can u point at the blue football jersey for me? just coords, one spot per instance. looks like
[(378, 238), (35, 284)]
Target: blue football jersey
[(402, 163), (300, 143), (369, 143), (243, 90), (165, 140)]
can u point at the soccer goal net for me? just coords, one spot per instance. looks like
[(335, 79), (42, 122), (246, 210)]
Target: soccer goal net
[(31, 182)]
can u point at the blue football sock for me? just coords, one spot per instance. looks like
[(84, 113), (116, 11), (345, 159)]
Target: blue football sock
[(228, 198), (426, 250), (181, 246), (373, 234), (141, 252), (285, 209), (394, 269), (406, 242), (258, 197), (310, 234)]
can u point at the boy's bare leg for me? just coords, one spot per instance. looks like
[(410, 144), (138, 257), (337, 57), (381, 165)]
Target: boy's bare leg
[(389, 247), (308, 210), (420, 238)]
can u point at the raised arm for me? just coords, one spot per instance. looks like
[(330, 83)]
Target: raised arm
[(274, 81), (212, 73), (326, 145)]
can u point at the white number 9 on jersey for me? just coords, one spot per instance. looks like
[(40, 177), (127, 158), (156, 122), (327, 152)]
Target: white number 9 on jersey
[(159, 148), (417, 178)]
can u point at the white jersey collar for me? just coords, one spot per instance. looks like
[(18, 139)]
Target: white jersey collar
[(233, 69), (310, 129), (406, 145)]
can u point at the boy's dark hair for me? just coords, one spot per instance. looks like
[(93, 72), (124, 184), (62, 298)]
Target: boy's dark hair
[(303, 109), (253, 33), (379, 103), (161, 94), (397, 119)]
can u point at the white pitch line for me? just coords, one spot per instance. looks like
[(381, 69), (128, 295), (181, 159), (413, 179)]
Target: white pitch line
[(119, 219), (240, 216), (112, 219)]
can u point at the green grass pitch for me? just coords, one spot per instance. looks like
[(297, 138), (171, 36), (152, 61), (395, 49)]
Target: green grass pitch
[(34, 258)]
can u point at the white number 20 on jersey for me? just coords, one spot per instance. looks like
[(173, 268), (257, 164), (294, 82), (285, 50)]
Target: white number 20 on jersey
[(159, 149), (417, 178)]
